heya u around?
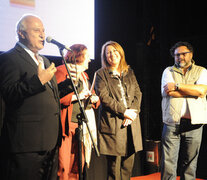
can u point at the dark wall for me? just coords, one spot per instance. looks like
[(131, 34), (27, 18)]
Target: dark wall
[(147, 29)]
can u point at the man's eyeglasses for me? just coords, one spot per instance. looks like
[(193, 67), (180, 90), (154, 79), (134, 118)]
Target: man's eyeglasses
[(179, 54)]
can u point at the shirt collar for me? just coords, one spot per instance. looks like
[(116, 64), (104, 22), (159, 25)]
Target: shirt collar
[(31, 53), (177, 68), (114, 73), (26, 49)]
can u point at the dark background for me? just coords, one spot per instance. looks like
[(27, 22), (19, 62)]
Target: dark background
[(146, 29)]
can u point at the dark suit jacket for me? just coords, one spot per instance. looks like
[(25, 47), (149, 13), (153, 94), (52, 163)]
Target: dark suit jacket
[(32, 115)]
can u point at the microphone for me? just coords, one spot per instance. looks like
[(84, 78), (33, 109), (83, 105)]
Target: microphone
[(49, 39)]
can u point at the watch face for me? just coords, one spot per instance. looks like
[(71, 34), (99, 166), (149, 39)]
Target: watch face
[(177, 86)]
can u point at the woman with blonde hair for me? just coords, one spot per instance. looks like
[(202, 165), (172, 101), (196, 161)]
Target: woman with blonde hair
[(120, 96)]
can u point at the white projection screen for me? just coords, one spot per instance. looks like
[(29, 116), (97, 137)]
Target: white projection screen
[(67, 21)]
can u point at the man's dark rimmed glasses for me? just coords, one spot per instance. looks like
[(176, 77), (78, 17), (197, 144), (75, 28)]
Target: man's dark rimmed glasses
[(179, 54)]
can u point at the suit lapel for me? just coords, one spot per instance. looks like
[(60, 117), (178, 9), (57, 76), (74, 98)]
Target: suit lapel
[(25, 56)]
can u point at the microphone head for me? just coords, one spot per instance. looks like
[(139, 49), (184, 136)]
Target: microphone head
[(49, 39)]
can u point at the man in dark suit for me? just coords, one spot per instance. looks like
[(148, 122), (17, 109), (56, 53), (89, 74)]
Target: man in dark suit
[(31, 129)]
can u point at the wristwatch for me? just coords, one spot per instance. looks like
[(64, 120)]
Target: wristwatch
[(176, 86)]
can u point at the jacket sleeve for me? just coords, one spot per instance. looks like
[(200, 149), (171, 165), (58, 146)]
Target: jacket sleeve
[(103, 90), (137, 97), (65, 87), (16, 83)]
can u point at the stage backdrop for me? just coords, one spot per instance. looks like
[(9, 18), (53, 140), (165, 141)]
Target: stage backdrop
[(67, 21)]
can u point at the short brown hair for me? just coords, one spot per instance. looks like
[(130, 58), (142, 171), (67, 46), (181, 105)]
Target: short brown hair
[(179, 44), (76, 55)]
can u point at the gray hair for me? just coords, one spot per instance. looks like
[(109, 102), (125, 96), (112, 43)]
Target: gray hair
[(20, 25)]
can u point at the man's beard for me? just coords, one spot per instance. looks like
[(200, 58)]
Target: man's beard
[(182, 64)]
